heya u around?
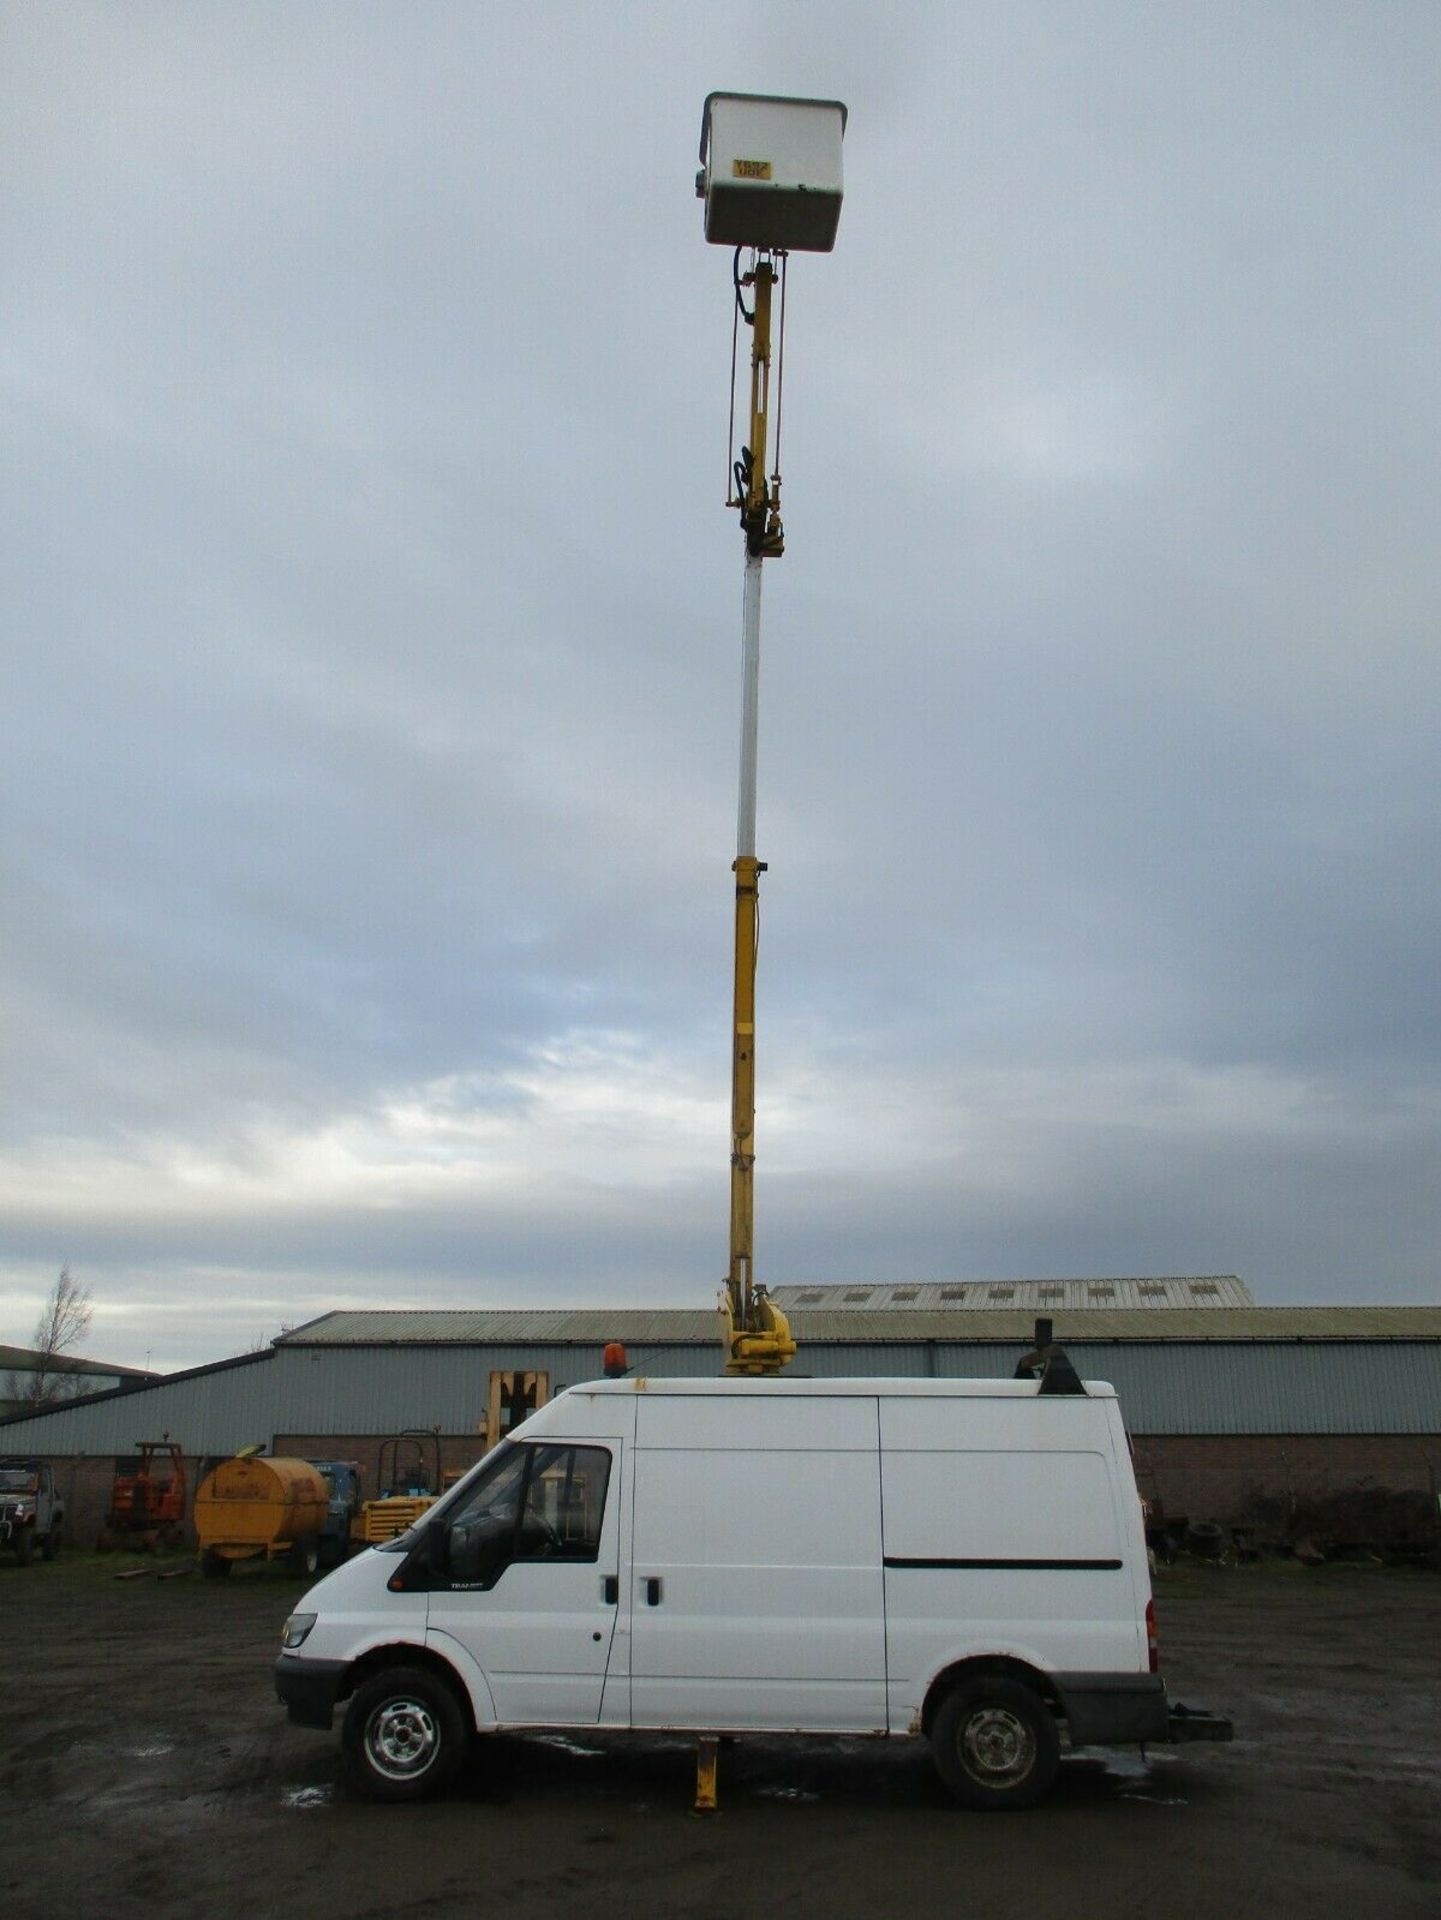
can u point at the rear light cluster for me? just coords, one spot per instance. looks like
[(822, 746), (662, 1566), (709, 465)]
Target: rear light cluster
[(1153, 1644)]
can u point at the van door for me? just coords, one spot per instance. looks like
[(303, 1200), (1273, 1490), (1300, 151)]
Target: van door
[(529, 1578), (1001, 1537), (756, 1587)]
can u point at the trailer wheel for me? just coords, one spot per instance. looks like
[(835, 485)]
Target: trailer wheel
[(404, 1735), (305, 1557), (215, 1566), (995, 1744)]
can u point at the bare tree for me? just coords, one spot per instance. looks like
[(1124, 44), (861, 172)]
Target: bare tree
[(64, 1322)]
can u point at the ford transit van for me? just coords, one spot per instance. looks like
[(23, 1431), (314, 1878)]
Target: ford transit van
[(960, 1561)]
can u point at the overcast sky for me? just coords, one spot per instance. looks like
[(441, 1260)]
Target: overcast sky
[(371, 630)]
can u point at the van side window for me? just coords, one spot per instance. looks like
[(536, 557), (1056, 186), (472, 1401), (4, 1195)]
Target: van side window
[(538, 1503), (564, 1503)]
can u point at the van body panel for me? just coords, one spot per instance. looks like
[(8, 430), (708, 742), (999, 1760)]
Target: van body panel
[(1048, 1620), (757, 1597), (355, 1612), (542, 1634), (1013, 1530), (777, 1424), (467, 1669), (779, 1555), (1014, 1509)]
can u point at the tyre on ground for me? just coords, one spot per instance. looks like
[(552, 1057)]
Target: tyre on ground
[(404, 1735), (215, 1566), (995, 1743), (50, 1545), (24, 1546), (305, 1556)]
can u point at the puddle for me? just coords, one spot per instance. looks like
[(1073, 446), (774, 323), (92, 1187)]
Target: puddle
[(783, 1793), (307, 1796), (1134, 1770), (568, 1746), (156, 1752), (1123, 1764)]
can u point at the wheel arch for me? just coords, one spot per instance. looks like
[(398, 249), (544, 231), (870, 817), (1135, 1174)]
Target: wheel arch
[(405, 1653), (1003, 1666)]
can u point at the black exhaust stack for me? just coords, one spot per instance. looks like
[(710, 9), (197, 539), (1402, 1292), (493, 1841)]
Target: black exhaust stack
[(1048, 1362)]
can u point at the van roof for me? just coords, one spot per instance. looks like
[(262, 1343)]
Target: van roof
[(869, 1385)]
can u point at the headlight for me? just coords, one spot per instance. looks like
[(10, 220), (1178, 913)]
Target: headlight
[(295, 1629)]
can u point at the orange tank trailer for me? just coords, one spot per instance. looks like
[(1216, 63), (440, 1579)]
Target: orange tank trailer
[(254, 1507)]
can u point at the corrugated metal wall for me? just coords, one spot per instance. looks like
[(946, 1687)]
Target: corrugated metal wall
[(1185, 1388), (231, 1403), (1275, 1387)]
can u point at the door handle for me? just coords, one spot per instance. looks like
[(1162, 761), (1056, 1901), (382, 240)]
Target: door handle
[(653, 1590), (610, 1589)]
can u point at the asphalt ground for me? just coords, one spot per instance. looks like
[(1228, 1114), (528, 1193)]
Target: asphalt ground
[(147, 1770)]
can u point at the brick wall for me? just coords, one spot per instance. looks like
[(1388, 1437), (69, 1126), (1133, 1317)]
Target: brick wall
[(1283, 1484), (1266, 1480)]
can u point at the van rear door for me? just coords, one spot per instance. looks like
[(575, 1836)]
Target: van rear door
[(756, 1592)]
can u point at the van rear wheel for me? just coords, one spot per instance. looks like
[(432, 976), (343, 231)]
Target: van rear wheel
[(995, 1744), (404, 1735)]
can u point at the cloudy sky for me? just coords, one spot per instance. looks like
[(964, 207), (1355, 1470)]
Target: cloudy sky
[(367, 751)]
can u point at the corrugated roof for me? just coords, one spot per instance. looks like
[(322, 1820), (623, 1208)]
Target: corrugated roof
[(443, 1326), (29, 1359), (1159, 1291)]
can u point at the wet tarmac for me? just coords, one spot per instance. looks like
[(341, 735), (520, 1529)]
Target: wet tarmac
[(148, 1770)]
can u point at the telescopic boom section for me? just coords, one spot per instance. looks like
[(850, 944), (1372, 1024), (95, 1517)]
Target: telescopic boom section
[(757, 1335)]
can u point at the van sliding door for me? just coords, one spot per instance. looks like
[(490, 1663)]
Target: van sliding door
[(756, 1576)]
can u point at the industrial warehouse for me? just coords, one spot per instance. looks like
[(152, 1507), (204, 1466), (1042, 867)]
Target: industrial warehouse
[(1276, 1421)]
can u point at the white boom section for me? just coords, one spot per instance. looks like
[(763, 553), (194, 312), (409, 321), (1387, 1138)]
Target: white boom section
[(750, 706)]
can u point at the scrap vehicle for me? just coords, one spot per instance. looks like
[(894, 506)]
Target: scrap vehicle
[(410, 1481), (147, 1497), (261, 1508), (31, 1513)]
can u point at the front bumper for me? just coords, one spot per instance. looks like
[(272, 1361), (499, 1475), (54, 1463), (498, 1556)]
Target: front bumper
[(309, 1689)]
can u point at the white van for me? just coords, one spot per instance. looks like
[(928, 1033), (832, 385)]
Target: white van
[(959, 1560)]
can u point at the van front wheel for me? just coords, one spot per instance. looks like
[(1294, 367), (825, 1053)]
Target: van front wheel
[(404, 1735), (995, 1744)]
